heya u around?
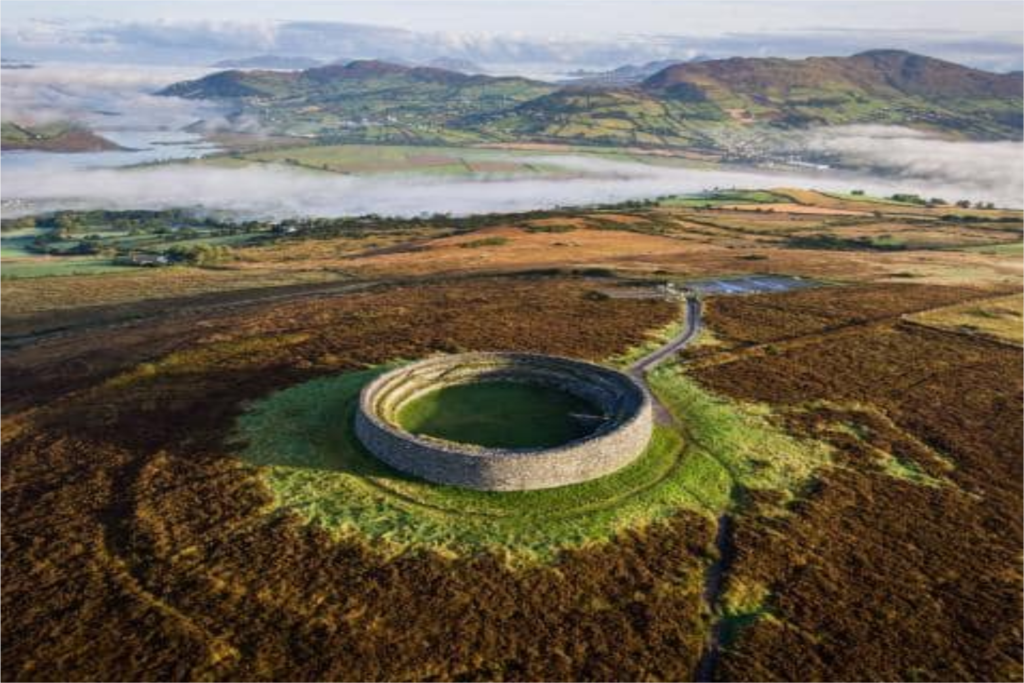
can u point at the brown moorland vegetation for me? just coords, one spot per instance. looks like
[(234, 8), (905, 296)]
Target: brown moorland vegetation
[(550, 313), (936, 245), (872, 577), (768, 318), (781, 207), (138, 548)]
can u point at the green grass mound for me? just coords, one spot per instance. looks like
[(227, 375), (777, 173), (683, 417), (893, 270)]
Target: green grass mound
[(302, 440), (498, 415)]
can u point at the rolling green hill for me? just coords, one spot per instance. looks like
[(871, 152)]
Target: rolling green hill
[(680, 106), (365, 100), (880, 86)]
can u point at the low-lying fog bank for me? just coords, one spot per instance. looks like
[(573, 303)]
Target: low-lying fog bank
[(104, 97), (974, 168), (280, 191), (119, 100)]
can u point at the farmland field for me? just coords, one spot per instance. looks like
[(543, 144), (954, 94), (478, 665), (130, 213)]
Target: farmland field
[(48, 266), (15, 243), (371, 159)]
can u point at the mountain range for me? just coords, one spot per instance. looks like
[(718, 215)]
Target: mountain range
[(625, 75), (268, 62), (681, 105)]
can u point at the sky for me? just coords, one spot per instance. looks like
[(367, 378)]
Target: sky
[(591, 18), (986, 34)]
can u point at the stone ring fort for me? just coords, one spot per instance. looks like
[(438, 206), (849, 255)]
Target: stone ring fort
[(617, 430)]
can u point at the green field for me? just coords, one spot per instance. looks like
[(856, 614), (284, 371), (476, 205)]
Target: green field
[(444, 160), (302, 441), (1007, 249), (498, 415), (725, 198), (16, 243), (384, 158), (868, 199), (57, 266), (97, 238)]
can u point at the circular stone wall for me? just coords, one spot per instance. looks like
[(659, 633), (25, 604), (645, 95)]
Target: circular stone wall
[(621, 432)]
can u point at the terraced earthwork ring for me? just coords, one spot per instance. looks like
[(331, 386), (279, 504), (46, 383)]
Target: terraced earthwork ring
[(622, 432)]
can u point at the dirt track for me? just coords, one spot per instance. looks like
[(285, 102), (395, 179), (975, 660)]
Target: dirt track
[(715, 572), (685, 336)]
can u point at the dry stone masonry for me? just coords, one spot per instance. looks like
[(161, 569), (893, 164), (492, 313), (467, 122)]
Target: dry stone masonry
[(617, 441)]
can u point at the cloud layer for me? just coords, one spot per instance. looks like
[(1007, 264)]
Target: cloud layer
[(976, 169), (203, 41), (276, 192), (108, 97)]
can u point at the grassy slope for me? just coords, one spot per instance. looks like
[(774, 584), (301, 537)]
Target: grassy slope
[(367, 101), (302, 440), (391, 158), (725, 198), (18, 259), (880, 86), (1000, 318), (60, 266)]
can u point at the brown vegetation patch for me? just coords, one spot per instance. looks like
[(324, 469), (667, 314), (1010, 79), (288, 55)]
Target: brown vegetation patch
[(874, 576), (691, 251), (680, 240), (136, 546), (770, 317), (823, 199), (524, 249), (32, 295), (782, 207), (930, 235), (997, 318), (357, 329), (560, 222), (619, 218), (683, 254), (956, 394), (754, 223)]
